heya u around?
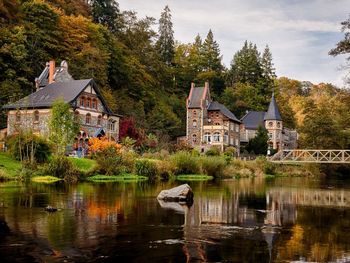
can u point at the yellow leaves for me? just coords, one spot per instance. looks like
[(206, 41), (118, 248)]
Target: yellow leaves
[(100, 144)]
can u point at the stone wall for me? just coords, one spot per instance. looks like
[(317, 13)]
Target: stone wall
[(194, 126)]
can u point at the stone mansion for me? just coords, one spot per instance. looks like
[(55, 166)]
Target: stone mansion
[(210, 123), (87, 103)]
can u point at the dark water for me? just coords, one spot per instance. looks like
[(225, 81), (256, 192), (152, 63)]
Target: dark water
[(283, 220)]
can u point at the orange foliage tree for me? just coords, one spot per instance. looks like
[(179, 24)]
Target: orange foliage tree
[(100, 144)]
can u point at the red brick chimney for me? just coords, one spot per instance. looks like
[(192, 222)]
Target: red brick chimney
[(51, 71)]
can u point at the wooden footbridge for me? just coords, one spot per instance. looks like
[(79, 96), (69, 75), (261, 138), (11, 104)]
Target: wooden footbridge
[(311, 156)]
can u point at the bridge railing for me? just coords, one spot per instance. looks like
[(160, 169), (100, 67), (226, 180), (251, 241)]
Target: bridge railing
[(311, 156)]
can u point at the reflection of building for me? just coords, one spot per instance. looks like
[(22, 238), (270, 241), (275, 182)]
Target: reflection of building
[(210, 123), (279, 136), (86, 101)]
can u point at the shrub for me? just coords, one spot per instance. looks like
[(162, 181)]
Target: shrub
[(21, 147), (165, 168), (146, 168), (62, 167), (213, 151), (109, 161), (128, 161), (230, 151), (212, 166), (185, 163)]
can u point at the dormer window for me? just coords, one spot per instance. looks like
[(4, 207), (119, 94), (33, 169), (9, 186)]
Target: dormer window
[(88, 103)]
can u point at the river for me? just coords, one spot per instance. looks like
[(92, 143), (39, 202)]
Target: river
[(246, 220)]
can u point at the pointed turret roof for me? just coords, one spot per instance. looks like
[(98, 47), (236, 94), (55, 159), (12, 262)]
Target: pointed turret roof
[(273, 113)]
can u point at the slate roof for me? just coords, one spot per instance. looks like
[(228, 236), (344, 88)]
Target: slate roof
[(214, 106), (273, 112), (68, 91), (253, 119), (196, 96)]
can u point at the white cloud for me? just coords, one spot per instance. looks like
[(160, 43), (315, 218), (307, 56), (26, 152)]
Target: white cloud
[(300, 33)]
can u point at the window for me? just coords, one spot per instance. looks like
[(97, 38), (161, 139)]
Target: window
[(111, 125), (194, 138), (270, 135), (194, 124), (88, 118), (216, 137), (194, 113), (99, 120), (36, 116), (82, 102), (93, 105), (236, 142), (207, 137), (226, 137), (18, 116), (278, 125), (88, 102), (270, 124), (237, 127), (217, 123)]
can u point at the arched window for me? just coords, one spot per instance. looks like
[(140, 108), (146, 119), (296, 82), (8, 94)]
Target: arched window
[(82, 101), (194, 123), (270, 124), (88, 118), (194, 138), (194, 113), (278, 125), (36, 116), (99, 120), (216, 137), (88, 103), (207, 137), (18, 116), (217, 123), (94, 104)]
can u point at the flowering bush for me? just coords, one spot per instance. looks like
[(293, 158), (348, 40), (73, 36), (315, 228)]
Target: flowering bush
[(100, 144)]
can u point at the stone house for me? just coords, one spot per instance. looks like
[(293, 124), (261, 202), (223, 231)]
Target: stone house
[(279, 136), (87, 103), (210, 123)]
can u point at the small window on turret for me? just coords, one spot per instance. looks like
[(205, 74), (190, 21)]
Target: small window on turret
[(278, 125), (270, 124)]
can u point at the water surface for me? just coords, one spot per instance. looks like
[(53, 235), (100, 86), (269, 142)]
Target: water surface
[(247, 220)]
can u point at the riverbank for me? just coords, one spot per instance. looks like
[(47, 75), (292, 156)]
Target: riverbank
[(181, 166)]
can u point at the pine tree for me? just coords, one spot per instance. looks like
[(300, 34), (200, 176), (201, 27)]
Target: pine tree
[(268, 71), (211, 58), (165, 41), (107, 13)]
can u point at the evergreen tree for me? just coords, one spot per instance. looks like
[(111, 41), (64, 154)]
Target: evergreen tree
[(107, 13), (211, 58), (258, 144), (268, 71), (165, 41)]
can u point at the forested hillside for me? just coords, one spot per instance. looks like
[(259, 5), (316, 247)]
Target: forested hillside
[(145, 74)]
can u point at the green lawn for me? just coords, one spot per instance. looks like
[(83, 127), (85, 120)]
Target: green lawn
[(45, 179), (8, 166), (193, 177), (117, 178), (83, 164)]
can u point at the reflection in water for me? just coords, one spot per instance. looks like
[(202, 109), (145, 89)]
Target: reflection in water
[(230, 221)]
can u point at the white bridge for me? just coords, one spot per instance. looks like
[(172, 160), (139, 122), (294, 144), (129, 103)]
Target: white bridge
[(311, 156)]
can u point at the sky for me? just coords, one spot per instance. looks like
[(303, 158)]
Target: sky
[(300, 33)]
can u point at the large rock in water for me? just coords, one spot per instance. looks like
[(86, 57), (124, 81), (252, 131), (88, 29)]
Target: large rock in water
[(181, 193)]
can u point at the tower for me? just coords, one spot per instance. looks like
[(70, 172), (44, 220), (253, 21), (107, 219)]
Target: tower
[(274, 125)]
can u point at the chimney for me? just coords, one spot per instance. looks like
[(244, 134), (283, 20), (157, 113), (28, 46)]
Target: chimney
[(206, 85), (192, 85), (51, 71)]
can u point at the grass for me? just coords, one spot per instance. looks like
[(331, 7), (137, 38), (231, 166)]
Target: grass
[(117, 178), (193, 177), (83, 164), (45, 179), (9, 167)]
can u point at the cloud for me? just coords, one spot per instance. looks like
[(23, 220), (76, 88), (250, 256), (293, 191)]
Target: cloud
[(300, 33)]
